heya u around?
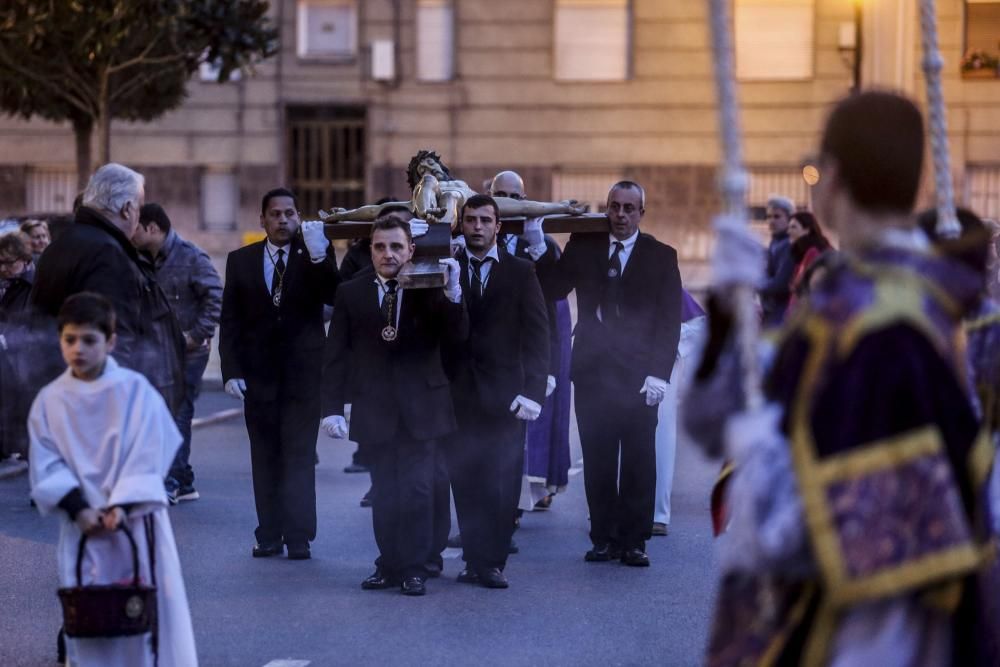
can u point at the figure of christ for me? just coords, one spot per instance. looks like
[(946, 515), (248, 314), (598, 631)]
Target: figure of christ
[(437, 197)]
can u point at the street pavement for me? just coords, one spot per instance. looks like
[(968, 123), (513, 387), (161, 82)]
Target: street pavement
[(250, 612)]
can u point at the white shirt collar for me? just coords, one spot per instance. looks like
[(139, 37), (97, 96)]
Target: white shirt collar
[(627, 243), (275, 248), (493, 253)]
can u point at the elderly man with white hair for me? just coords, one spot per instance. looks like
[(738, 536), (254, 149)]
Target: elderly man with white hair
[(95, 254), (776, 291)]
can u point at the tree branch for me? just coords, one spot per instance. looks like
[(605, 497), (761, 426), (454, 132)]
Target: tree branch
[(58, 91)]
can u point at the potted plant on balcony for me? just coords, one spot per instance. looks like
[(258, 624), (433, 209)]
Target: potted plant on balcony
[(980, 65)]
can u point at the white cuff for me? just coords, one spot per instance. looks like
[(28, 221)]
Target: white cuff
[(536, 251)]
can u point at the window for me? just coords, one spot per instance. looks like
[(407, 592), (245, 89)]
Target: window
[(592, 39), (774, 39), (51, 190), (219, 200), (982, 190), (435, 40), (327, 29), (587, 187), (982, 40)]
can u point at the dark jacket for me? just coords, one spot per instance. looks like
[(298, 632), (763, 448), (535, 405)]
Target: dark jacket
[(14, 301), (192, 286), (357, 259), (507, 352), (392, 385), (93, 255), (776, 291), (645, 342), (277, 351), (554, 252)]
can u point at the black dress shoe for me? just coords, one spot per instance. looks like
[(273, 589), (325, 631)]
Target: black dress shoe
[(379, 581), (602, 553), (492, 577), (513, 548), (467, 576), (635, 558), (413, 586), (268, 549), (299, 551)]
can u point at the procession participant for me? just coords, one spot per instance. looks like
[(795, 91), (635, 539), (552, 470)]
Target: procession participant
[(383, 354), (37, 232), (692, 334), (870, 439), (547, 459), (776, 290), (498, 381), (271, 344), (95, 254), (185, 273), (628, 290), (102, 441), (16, 276)]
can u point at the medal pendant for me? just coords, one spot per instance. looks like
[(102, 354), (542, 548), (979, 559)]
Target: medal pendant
[(276, 299), (612, 273), (389, 334)]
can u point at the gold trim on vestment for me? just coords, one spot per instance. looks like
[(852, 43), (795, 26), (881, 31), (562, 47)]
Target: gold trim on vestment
[(888, 453), (982, 322), (794, 618)]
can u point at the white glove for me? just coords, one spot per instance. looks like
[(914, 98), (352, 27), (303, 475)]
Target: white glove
[(739, 258), (457, 243), (237, 388), (655, 389), (335, 427), (417, 227), (315, 240), (525, 408), (453, 286), (550, 386), (533, 234)]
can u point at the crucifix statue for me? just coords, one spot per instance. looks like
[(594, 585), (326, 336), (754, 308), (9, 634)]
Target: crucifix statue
[(437, 197)]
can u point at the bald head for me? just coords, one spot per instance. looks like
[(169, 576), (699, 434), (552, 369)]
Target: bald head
[(507, 184)]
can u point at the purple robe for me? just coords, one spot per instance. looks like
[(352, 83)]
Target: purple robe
[(547, 458)]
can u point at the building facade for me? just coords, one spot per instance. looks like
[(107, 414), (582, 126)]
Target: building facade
[(573, 94)]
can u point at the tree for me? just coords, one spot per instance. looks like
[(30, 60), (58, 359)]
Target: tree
[(90, 61)]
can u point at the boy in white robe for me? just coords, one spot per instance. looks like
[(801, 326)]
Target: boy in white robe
[(101, 443)]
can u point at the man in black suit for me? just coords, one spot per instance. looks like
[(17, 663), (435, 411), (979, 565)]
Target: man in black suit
[(628, 292), (271, 342), (499, 379), (383, 352)]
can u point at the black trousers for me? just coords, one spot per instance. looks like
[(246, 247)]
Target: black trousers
[(403, 474), (283, 458), (442, 510), (616, 428), (485, 464)]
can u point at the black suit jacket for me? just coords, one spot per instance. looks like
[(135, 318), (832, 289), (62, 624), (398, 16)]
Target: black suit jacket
[(507, 352), (553, 252), (394, 384), (278, 351), (645, 343)]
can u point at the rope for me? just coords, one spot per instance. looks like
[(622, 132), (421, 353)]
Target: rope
[(947, 225), (733, 186)]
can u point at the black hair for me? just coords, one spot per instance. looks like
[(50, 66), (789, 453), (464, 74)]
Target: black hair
[(88, 309), (814, 237), (411, 170), (478, 201), (876, 139), (972, 247), (154, 213), (16, 245), (392, 223), (393, 208), (276, 192)]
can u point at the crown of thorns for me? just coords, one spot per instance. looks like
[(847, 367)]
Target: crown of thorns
[(412, 178)]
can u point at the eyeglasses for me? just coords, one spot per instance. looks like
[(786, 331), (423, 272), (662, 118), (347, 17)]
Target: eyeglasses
[(509, 195)]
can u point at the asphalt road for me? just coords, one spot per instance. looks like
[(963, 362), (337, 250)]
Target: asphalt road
[(279, 613)]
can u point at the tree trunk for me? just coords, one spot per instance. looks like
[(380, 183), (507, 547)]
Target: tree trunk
[(104, 121), (83, 130)]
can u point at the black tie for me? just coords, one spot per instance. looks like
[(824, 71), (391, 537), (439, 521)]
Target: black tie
[(279, 272), (389, 303), (612, 297), (476, 268)]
